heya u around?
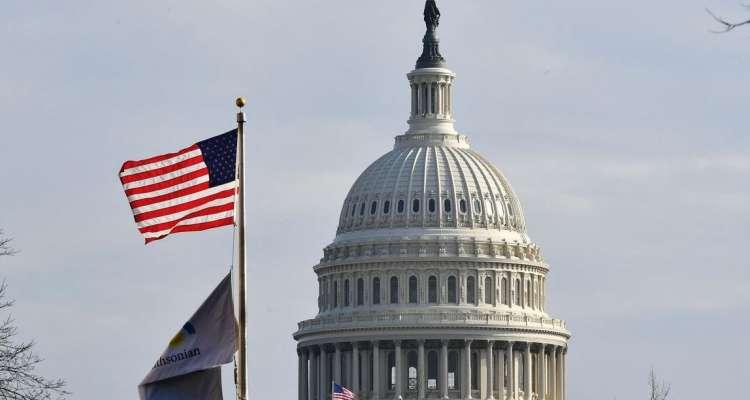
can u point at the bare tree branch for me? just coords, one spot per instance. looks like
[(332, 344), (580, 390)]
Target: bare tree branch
[(658, 390), (5, 249), (18, 362), (18, 380), (728, 26)]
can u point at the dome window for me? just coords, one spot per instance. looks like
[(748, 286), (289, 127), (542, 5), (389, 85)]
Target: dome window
[(387, 207), (346, 293), (432, 290), (462, 206), (360, 292), (373, 208), (376, 290), (354, 208), (488, 289), (394, 290), (415, 205), (413, 285), (452, 298), (335, 294), (431, 205), (447, 205), (400, 206), (470, 290), (362, 208), (477, 206)]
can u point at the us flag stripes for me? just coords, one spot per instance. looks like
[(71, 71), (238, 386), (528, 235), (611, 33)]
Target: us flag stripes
[(342, 393), (190, 190)]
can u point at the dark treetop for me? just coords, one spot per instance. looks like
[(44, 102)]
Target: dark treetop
[(431, 57)]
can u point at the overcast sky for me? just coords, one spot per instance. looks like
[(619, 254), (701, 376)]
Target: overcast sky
[(623, 127)]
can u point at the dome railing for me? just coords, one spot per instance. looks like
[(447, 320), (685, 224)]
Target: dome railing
[(466, 319)]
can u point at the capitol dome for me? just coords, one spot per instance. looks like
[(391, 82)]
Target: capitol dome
[(424, 187), (431, 288)]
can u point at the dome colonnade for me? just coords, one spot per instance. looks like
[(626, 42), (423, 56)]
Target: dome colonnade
[(432, 288)]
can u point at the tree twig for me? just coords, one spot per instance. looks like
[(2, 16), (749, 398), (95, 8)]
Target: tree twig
[(728, 26)]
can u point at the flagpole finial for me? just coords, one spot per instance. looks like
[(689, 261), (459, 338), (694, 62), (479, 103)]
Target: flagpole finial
[(240, 102)]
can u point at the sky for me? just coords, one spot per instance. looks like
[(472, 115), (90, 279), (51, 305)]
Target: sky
[(622, 126)]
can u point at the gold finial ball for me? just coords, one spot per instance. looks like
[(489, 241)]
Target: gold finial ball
[(240, 102)]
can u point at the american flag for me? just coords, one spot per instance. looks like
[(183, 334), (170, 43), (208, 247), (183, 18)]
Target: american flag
[(342, 393), (187, 191)]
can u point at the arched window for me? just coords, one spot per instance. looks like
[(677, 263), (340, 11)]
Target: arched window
[(335, 294), (360, 292), (477, 206), (362, 208), (392, 370), (413, 292), (452, 298), (387, 207), (411, 365), (354, 208), (394, 290), (528, 294), (470, 290), (415, 205), (517, 292), (462, 206), (346, 293), (373, 207), (504, 291), (432, 370), (447, 205), (432, 290), (488, 290), (400, 206), (375, 290), (431, 205), (453, 372)]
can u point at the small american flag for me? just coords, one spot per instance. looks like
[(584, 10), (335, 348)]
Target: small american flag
[(187, 191), (342, 393)]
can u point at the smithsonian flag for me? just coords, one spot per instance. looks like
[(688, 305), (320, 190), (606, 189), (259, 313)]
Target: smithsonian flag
[(201, 385), (207, 340)]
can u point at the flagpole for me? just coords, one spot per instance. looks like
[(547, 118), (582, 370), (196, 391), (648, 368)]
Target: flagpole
[(242, 364)]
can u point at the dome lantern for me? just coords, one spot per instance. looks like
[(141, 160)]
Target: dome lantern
[(431, 84)]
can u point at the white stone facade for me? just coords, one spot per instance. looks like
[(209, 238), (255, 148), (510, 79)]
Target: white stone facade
[(432, 288)]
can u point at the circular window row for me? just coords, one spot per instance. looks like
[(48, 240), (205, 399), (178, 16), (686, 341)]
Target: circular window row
[(431, 207)]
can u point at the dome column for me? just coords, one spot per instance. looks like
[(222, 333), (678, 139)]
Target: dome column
[(337, 363), (527, 372), (312, 383), (512, 381), (490, 370), (399, 371), (303, 356), (376, 384), (553, 373), (467, 369), (563, 369), (421, 381), (543, 376), (501, 367), (355, 367), (444, 369), (323, 380)]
